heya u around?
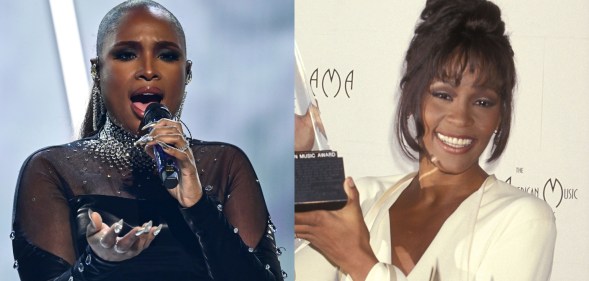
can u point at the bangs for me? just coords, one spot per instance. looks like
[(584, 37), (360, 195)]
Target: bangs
[(479, 62)]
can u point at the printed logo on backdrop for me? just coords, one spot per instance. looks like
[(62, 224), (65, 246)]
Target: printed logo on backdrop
[(554, 191), (330, 83)]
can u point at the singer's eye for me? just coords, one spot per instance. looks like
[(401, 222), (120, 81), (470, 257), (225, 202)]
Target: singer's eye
[(484, 103), (124, 55), (442, 95), (169, 56)]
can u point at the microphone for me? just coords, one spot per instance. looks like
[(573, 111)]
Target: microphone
[(166, 164)]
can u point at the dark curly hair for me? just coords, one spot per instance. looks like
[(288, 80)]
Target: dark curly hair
[(452, 37)]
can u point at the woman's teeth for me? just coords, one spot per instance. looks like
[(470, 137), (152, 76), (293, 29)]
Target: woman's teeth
[(454, 142)]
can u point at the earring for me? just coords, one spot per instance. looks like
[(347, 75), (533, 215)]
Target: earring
[(98, 109), (497, 137), (94, 72), (188, 78)]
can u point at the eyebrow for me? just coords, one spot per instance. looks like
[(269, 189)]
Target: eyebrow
[(158, 44), (452, 84), (481, 89)]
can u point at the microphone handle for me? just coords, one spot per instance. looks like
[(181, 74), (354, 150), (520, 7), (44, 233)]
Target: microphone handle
[(166, 164), (166, 167)]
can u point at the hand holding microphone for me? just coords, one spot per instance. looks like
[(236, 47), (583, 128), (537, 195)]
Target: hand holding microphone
[(165, 142), (166, 164)]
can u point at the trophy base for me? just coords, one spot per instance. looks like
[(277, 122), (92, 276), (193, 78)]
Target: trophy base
[(312, 206), (319, 178)]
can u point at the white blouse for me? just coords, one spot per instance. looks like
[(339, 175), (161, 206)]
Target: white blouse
[(498, 233)]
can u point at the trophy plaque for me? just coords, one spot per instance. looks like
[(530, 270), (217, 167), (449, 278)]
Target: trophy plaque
[(319, 177)]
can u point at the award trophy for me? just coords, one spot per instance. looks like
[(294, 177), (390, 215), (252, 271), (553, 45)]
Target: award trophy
[(319, 172)]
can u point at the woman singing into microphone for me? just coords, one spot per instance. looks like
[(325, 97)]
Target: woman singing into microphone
[(95, 209)]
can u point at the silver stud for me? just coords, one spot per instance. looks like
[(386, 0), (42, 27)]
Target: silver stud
[(80, 267), (15, 264), (208, 188), (88, 259), (251, 250), (12, 235), (267, 267), (235, 230), (220, 207), (71, 278)]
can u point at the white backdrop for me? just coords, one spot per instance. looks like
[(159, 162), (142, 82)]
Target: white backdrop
[(365, 42)]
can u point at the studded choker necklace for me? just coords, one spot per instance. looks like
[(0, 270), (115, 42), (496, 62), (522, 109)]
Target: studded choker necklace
[(115, 147)]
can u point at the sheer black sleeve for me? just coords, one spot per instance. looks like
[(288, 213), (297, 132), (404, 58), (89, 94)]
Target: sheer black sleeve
[(231, 221), (43, 244)]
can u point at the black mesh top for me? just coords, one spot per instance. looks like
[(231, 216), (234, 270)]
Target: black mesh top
[(227, 235)]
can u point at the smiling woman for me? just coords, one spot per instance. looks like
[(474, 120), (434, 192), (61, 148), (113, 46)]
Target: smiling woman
[(95, 208), (450, 220)]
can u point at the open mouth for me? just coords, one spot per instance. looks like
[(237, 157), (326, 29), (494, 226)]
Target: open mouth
[(146, 98), (142, 100), (454, 142)]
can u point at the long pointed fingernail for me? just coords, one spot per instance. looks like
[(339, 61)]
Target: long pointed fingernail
[(90, 212), (163, 145), (149, 125), (143, 140), (118, 226), (145, 228), (158, 230)]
